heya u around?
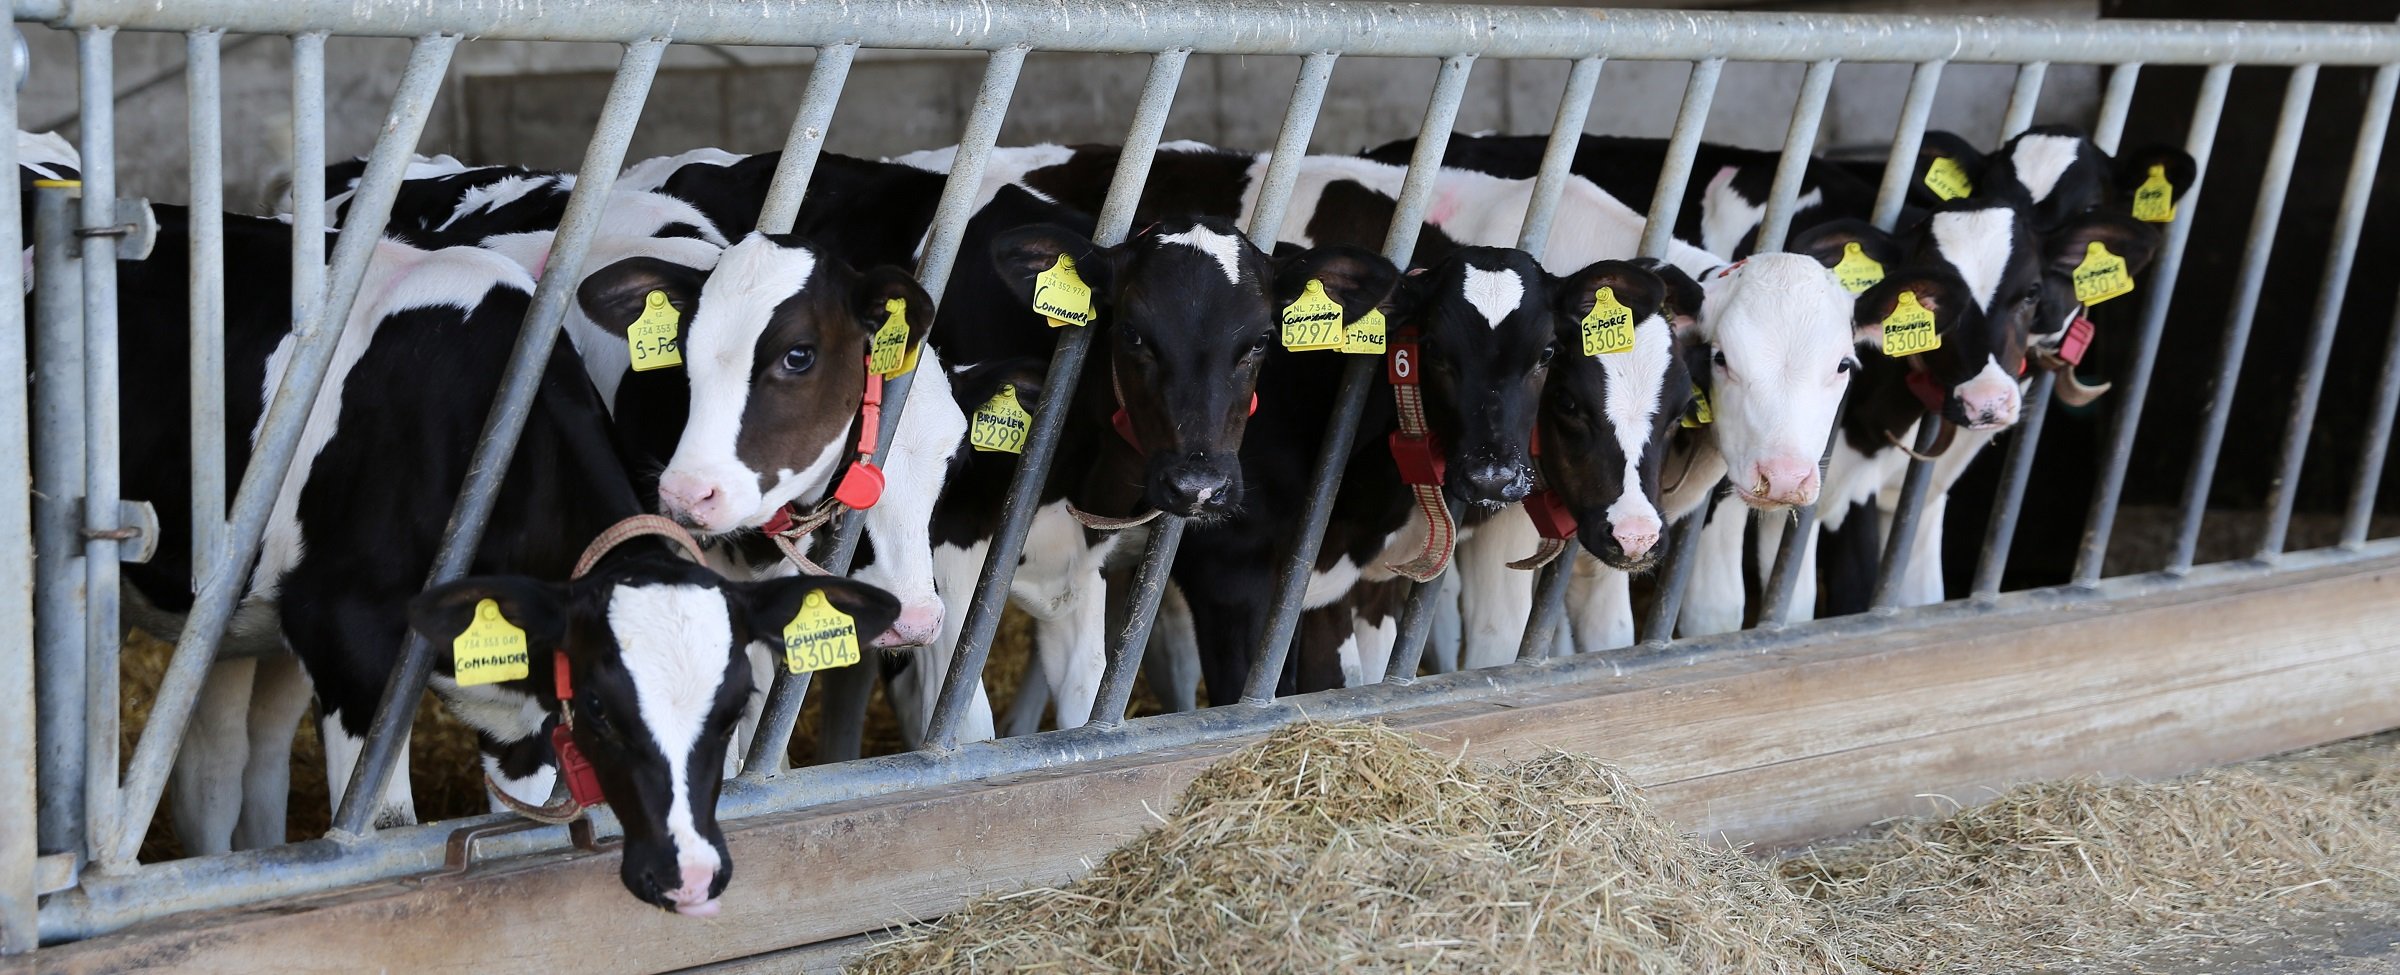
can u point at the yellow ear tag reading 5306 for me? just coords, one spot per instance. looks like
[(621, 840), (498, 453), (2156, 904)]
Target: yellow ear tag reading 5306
[(2154, 200), (651, 338), (1060, 295), (1000, 424), (1700, 415), (1856, 271), (2101, 276), (489, 650), (1366, 335), (820, 637), (1313, 320), (1947, 179), (1909, 329), (1608, 327), (890, 354)]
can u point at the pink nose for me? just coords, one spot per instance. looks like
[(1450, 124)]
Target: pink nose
[(917, 626), (1785, 480), (1989, 409), (1636, 534), (691, 899), (691, 499)]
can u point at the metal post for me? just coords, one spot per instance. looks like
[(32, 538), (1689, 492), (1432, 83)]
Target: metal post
[(807, 138), (20, 842), (2244, 311), (204, 98), (2023, 97), (1666, 204), (2200, 141), (2365, 159), (2373, 445), (1799, 143), (1291, 146), (98, 210), (1658, 629), (58, 634)]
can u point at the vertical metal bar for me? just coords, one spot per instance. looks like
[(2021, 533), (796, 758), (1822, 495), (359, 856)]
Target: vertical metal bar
[(2023, 98), (95, 48), (1799, 143), (2374, 444), (1658, 629), (1666, 204), (807, 137), (308, 179), (2365, 159), (1400, 239), (58, 633), (203, 95), (2200, 141), (2273, 186), (602, 160), (2025, 440), (1549, 604), (1291, 146), (20, 844)]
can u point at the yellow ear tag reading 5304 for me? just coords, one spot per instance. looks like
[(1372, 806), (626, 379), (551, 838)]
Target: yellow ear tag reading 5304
[(820, 637), (1856, 271), (1700, 415), (1000, 424), (2154, 200), (1608, 327), (1366, 335), (1909, 329), (1948, 180), (651, 338), (489, 650), (2101, 276), (890, 354), (1060, 295), (1313, 320)]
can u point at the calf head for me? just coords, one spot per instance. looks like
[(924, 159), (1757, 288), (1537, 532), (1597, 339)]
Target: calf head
[(1485, 319), (1778, 326), (658, 672), (1988, 245), (2058, 173), (1605, 418), (2064, 251)]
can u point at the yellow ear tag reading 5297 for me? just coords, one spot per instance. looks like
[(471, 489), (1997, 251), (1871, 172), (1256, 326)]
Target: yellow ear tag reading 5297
[(1856, 271), (1947, 179), (2154, 200), (651, 338), (1909, 330), (1000, 424), (2101, 276), (1060, 295), (1313, 320), (1700, 415), (489, 650), (1608, 327), (1366, 335), (890, 355), (819, 637)]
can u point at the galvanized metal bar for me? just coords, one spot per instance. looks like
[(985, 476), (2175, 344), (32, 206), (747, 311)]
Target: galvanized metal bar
[(1799, 144), (807, 137), (308, 178), (2023, 97), (1416, 624), (2373, 446), (2365, 159), (1691, 121), (2116, 104), (2199, 142), (21, 802), (1350, 400), (2283, 155), (96, 54), (204, 108), (58, 634), (603, 159), (1549, 605), (1675, 577), (1291, 146)]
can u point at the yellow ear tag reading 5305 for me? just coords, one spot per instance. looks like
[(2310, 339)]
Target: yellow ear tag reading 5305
[(1947, 179), (2154, 200), (2101, 276), (489, 650), (1000, 424), (1366, 335), (1608, 327), (1313, 320), (820, 637), (890, 354), (1060, 295), (651, 338), (1909, 329), (1856, 271), (1700, 415)]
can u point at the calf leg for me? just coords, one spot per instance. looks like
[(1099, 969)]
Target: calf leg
[(279, 696), (1497, 600), (1171, 660), (1441, 646), (206, 788), (1059, 582), (342, 749), (1713, 601), (1599, 606)]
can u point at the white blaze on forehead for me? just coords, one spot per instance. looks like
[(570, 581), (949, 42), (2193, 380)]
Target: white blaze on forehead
[(2041, 159), (1226, 248), (1977, 243), (1494, 293), (1636, 384), (676, 642)]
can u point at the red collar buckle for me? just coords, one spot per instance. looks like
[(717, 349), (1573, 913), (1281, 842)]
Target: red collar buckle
[(1550, 515), (583, 784), (1419, 458), (2078, 339), (862, 485), (1928, 392)]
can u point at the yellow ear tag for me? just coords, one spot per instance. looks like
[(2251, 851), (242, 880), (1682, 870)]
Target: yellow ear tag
[(1909, 330), (2154, 200), (1857, 271), (890, 355), (1366, 335), (1000, 424), (651, 338), (1608, 327), (1947, 179), (489, 650), (1313, 320), (820, 637), (1700, 414), (1060, 295), (2101, 276)]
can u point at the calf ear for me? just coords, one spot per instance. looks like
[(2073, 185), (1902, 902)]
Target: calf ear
[(975, 386), (2133, 169), (1936, 290), (771, 604), (1358, 278), (441, 613), (616, 295), (1939, 145), (1829, 242), (2124, 236), (1634, 286), (1022, 254), (1683, 298), (880, 285), (1698, 367)]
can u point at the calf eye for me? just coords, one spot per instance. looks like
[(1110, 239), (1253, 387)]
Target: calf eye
[(1848, 365), (800, 359), (1549, 352), (1569, 406), (596, 718), (1717, 359), (1133, 339), (1260, 342)]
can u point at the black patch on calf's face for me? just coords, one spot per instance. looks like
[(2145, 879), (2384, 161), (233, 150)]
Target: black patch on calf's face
[(1483, 378), (1582, 458)]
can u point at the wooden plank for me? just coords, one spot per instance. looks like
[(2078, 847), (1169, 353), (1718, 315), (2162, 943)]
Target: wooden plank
[(1821, 737)]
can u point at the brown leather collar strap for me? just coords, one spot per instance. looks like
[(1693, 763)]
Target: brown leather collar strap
[(632, 528)]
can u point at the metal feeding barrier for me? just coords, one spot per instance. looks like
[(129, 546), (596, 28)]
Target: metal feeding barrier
[(71, 826)]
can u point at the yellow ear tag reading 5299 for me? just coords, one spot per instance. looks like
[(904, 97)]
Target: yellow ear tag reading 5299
[(1909, 330), (2101, 276), (651, 338), (1700, 414), (2154, 200), (1313, 320), (1947, 179), (1856, 271), (1608, 327), (489, 650), (819, 637), (1000, 424), (1366, 335), (890, 355), (1060, 295)]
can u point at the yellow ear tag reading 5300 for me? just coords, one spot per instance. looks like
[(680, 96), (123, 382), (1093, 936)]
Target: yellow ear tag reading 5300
[(651, 338), (2154, 200), (489, 650), (1909, 329), (890, 355), (1366, 335), (1948, 180), (1608, 327), (1856, 271), (1700, 414), (1000, 424), (2101, 276), (820, 637), (1313, 320), (1060, 295)]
